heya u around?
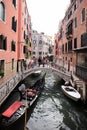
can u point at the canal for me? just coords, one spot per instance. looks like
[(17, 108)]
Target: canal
[(53, 110)]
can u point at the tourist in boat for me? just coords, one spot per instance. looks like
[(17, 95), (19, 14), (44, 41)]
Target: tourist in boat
[(30, 92)]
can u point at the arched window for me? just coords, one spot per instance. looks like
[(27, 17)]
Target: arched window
[(2, 11)]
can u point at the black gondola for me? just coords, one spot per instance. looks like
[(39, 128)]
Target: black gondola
[(18, 108)]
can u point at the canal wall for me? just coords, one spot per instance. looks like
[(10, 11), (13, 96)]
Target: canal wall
[(8, 86), (80, 85)]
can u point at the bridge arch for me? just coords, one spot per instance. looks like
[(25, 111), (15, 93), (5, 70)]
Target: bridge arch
[(64, 75)]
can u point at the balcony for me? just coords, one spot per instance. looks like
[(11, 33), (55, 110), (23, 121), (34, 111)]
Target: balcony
[(69, 30), (81, 71), (69, 35)]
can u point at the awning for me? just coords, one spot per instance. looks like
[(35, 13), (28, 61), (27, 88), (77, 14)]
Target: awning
[(12, 109), (80, 49)]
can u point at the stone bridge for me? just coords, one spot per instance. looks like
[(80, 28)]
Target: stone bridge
[(8, 86), (66, 76)]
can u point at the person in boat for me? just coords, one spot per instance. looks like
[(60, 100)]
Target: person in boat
[(30, 92), (67, 83), (67, 89)]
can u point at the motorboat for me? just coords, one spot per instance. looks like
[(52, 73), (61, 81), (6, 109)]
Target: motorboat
[(71, 92)]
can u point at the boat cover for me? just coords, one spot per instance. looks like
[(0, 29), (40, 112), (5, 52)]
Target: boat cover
[(12, 109)]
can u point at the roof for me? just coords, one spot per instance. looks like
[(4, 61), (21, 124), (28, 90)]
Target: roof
[(12, 109)]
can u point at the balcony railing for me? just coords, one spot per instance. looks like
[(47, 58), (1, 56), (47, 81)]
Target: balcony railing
[(81, 71), (69, 30)]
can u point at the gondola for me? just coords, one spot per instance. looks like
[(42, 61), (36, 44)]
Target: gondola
[(12, 114), (32, 93), (18, 108)]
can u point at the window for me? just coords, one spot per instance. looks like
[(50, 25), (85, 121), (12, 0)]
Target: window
[(34, 41), (12, 46), (70, 59), (81, 1), (33, 52), (65, 47), (40, 53), (75, 7), (12, 64), (24, 35), (83, 14), (84, 39), (3, 42), (14, 24), (66, 58), (70, 46), (40, 42), (24, 49), (2, 11), (69, 15), (75, 43), (14, 3), (2, 62), (75, 22), (25, 21)]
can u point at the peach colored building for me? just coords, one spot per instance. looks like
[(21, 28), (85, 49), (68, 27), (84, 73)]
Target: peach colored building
[(56, 45), (74, 38), (24, 34), (8, 37), (15, 37)]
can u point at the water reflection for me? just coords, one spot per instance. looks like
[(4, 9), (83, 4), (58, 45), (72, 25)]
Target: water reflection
[(54, 111)]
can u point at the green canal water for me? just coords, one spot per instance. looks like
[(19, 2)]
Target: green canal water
[(53, 110)]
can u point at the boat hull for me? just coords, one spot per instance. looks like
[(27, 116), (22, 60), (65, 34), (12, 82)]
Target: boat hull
[(72, 93), (5, 122), (26, 104)]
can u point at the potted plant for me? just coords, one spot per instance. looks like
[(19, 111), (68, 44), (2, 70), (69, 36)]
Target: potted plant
[(1, 73)]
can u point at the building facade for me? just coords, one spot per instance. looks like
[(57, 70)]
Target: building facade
[(8, 37), (40, 44), (24, 35), (73, 38), (15, 37)]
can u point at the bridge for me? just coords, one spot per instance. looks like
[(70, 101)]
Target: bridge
[(8, 86), (66, 76)]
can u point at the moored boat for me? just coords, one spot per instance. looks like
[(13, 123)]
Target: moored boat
[(19, 108), (31, 94), (12, 113), (71, 92), (36, 73)]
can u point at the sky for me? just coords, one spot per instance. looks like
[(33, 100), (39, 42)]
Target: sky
[(46, 14)]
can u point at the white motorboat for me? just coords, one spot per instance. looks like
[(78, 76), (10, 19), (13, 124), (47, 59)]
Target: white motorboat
[(71, 92)]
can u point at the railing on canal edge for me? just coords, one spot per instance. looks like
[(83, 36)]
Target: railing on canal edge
[(9, 85)]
